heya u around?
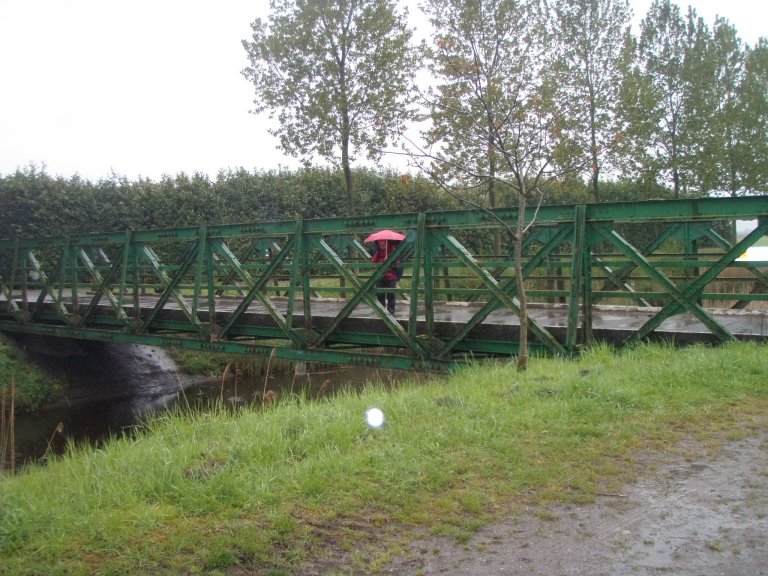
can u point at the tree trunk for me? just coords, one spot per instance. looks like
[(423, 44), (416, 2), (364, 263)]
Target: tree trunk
[(676, 182), (674, 160), (492, 202), (345, 166), (522, 359), (595, 179), (593, 145)]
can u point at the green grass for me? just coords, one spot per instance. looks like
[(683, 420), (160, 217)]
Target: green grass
[(266, 490), (32, 387), (196, 362)]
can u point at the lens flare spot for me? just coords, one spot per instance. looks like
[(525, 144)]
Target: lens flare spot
[(374, 417)]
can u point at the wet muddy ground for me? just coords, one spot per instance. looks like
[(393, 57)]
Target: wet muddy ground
[(694, 511)]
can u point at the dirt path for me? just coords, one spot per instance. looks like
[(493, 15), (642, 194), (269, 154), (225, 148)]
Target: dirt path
[(692, 514)]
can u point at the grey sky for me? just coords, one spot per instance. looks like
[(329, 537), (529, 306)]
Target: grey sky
[(153, 87)]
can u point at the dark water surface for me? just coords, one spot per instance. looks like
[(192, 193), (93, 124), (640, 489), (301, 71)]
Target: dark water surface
[(116, 385)]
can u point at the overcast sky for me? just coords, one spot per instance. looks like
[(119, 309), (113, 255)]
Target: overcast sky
[(142, 88)]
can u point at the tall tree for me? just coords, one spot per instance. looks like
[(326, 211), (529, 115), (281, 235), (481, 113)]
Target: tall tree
[(751, 149), (742, 100), (726, 57), (493, 116), (702, 113), (637, 116), (662, 50), (469, 59), (589, 72), (674, 52), (337, 73)]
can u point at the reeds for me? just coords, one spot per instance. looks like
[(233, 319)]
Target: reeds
[(7, 427)]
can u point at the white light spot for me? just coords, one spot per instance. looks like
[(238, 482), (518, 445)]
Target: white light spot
[(754, 254), (374, 417)]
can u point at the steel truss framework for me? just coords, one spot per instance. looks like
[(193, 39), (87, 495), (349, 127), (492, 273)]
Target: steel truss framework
[(296, 289)]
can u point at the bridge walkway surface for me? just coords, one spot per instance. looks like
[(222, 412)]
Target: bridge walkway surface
[(610, 324)]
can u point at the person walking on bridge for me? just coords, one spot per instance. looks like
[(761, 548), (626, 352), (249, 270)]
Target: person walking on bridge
[(383, 250)]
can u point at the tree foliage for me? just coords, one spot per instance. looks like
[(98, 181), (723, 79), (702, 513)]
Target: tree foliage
[(741, 130), (751, 148), (663, 53), (588, 74), (682, 107), (699, 106), (490, 109), (337, 74)]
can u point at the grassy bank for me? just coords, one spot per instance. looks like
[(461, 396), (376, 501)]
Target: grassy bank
[(267, 490), (32, 388), (195, 362)]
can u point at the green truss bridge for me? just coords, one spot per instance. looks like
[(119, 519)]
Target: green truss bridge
[(305, 290)]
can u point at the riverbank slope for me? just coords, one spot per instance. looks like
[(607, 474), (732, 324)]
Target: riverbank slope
[(308, 487)]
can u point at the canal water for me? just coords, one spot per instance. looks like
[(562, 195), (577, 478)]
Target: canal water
[(115, 386)]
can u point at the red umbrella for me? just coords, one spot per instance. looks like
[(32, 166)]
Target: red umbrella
[(385, 235)]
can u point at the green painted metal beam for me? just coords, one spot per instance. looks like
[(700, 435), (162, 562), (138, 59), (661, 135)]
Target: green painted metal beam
[(682, 298), (239, 286)]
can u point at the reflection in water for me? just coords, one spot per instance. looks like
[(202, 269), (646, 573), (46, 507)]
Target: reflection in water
[(94, 420)]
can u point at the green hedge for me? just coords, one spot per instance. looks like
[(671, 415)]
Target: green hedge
[(37, 204)]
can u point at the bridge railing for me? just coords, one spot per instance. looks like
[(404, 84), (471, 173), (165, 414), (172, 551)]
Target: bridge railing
[(306, 289)]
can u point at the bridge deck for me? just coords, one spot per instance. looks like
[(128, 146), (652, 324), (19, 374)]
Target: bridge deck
[(613, 324)]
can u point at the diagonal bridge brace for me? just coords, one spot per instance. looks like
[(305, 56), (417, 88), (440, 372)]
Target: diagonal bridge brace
[(505, 293), (683, 299), (761, 278), (13, 308), (616, 278), (49, 284), (694, 289), (6, 289), (170, 285), (103, 287), (365, 292), (256, 290)]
